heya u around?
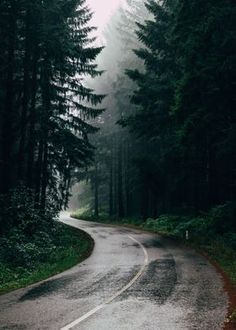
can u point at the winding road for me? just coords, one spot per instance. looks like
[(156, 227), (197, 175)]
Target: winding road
[(133, 280)]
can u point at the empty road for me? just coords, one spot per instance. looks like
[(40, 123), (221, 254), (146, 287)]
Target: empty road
[(133, 280)]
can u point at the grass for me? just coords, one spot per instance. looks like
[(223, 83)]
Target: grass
[(74, 246)]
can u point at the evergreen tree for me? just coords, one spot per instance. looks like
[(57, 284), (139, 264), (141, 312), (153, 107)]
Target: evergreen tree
[(185, 103), (152, 122), (45, 56), (118, 191), (204, 105)]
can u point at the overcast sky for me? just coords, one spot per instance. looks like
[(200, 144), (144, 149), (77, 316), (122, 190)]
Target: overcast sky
[(102, 12)]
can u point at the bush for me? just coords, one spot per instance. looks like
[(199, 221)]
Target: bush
[(165, 223), (18, 250), (223, 218), (27, 231), (219, 222)]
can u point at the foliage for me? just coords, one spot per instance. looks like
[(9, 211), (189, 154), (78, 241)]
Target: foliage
[(215, 223), (28, 239), (19, 207), (179, 153), (224, 217), (46, 53), (69, 247), (45, 107), (17, 250), (113, 176)]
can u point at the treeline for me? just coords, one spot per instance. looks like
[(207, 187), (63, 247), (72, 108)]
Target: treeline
[(114, 180), (46, 52), (176, 152)]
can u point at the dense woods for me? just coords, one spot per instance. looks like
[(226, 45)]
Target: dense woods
[(168, 138), (45, 55), (47, 51)]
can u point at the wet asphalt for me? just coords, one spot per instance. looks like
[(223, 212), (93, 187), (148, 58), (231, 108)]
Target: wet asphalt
[(133, 280)]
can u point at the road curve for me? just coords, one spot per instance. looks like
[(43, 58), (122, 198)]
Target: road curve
[(133, 280)]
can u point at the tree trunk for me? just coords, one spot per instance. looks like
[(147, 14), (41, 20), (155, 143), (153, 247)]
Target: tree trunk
[(96, 202), (38, 171), (8, 135), (111, 211), (25, 104), (120, 182), (44, 176), (32, 119)]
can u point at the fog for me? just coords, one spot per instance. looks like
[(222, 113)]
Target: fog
[(116, 22), (102, 12)]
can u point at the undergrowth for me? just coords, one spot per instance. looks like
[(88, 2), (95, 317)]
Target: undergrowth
[(68, 247)]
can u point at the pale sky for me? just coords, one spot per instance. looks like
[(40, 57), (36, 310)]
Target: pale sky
[(103, 10)]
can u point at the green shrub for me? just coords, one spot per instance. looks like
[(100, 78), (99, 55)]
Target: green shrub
[(223, 218), (28, 233), (219, 221), (72, 246), (18, 250), (230, 240)]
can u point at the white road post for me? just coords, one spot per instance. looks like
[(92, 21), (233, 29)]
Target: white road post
[(187, 235)]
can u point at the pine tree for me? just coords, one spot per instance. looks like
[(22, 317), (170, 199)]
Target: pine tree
[(204, 102), (152, 122), (45, 109), (114, 144)]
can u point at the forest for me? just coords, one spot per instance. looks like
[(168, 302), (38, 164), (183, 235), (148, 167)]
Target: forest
[(145, 126), (167, 140), (46, 52)]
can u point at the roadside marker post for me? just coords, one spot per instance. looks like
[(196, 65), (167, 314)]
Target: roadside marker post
[(187, 235)]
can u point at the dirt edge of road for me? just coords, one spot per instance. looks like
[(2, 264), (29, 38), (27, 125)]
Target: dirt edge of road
[(230, 324)]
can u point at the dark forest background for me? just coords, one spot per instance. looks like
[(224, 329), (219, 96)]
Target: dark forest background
[(44, 104), (47, 50), (167, 140)]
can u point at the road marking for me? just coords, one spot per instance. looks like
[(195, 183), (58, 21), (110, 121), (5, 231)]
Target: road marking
[(125, 288)]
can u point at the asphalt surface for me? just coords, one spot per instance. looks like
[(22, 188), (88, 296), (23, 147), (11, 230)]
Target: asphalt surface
[(133, 280)]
